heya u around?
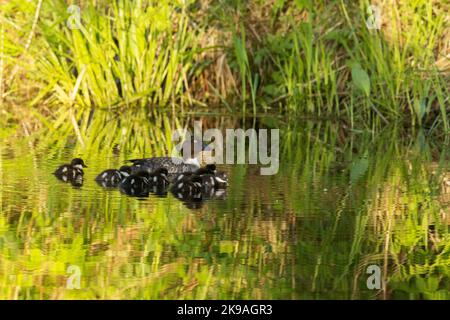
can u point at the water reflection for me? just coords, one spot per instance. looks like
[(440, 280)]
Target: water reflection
[(309, 232), (197, 200), (140, 185)]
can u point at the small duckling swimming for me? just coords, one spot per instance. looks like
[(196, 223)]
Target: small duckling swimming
[(210, 177), (208, 169), (72, 171), (77, 181), (211, 181), (159, 177), (112, 177), (158, 181), (182, 176), (188, 188), (221, 179), (136, 184)]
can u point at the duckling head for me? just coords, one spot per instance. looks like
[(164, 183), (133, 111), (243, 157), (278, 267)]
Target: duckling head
[(211, 168), (125, 170), (78, 163)]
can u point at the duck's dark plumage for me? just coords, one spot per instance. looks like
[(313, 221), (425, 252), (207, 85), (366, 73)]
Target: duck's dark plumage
[(159, 177), (208, 169), (72, 172), (172, 164), (135, 184), (221, 179), (187, 188), (209, 176), (112, 177), (191, 149)]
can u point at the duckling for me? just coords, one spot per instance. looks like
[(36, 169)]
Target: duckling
[(68, 172), (221, 179), (159, 177), (211, 182), (112, 177), (182, 176), (136, 184), (77, 181), (158, 182), (208, 169), (188, 188), (211, 178)]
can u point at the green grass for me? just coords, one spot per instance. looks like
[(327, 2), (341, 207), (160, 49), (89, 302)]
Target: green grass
[(291, 59), (151, 60), (330, 64)]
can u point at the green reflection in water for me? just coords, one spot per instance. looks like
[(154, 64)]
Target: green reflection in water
[(338, 205)]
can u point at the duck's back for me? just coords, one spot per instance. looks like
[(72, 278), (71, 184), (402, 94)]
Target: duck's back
[(63, 170), (172, 164), (68, 171)]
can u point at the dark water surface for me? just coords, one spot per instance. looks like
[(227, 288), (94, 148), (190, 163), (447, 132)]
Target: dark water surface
[(309, 232)]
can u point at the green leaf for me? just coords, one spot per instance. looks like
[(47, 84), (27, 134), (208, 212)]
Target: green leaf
[(360, 78), (358, 169), (303, 4), (420, 107)]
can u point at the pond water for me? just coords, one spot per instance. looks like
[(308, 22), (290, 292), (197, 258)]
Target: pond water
[(365, 221)]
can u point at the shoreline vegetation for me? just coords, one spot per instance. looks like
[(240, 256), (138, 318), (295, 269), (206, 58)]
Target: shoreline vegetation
[(159, 60)]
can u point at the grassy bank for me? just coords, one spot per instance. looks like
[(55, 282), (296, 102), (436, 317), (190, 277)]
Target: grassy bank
[(285, 58)]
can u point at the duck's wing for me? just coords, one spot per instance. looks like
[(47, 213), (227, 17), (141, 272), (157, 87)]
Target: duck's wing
[(155, 160), (173, 165), (62, 170), (105, 175)]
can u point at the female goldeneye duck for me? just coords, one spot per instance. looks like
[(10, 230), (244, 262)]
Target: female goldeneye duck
[(112, 177), (191, 150), (71, 171), (136, 184)]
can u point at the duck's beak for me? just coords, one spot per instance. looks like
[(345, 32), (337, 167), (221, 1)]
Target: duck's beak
[(85, 166)]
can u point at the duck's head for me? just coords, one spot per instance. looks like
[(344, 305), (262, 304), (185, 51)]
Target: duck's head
[(125, 170), (78, 163), (196, 151)]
